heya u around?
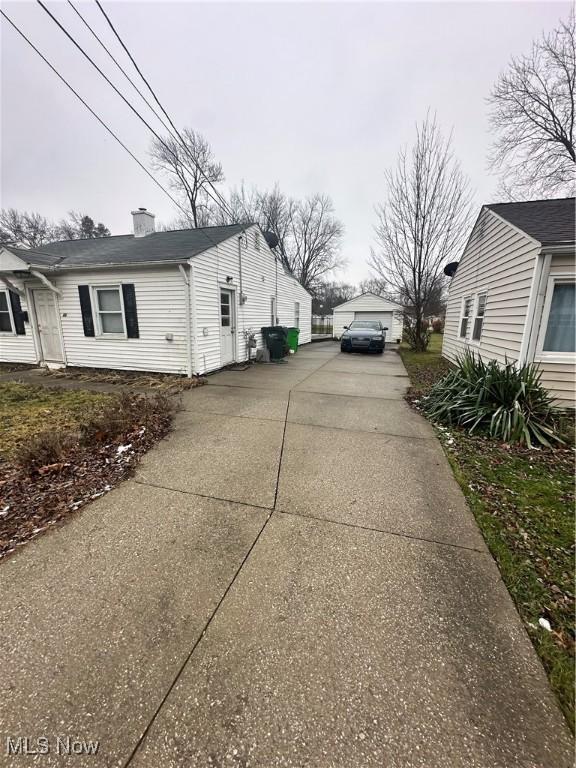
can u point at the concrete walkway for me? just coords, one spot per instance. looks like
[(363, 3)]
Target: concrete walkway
[(292, 579)]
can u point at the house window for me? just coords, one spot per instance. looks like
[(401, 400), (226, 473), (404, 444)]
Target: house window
[(560, 323), (479, 318), (6, 325), (225, 309), (109, 310), (273, 310), (466, 309), (297, 314), (257, 240)]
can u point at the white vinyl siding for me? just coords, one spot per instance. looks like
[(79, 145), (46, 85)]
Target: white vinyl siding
[(19, 348), (161, 308), (340, 320), (378, 308), (296, 314), (498, 261), (263, 279)]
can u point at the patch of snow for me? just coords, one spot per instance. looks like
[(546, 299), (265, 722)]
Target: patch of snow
[(545, 624)]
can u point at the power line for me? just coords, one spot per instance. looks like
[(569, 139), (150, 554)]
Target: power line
[(227, 210), (103, 74), (89, 108), (120, 67), (224, 203)]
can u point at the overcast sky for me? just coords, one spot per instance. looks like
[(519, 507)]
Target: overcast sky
[(316, 96)]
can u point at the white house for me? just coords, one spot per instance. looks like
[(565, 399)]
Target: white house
[(176, 302), (512, 293), (368, 306)]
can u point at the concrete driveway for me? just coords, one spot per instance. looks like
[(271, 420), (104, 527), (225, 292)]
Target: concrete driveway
[(292, 579)]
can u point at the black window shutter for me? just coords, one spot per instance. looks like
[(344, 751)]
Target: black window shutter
[(17, 313), (130, 313), (86, 309)]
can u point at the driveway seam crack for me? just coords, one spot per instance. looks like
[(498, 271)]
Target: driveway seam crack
[(224, 594), (400, 534)]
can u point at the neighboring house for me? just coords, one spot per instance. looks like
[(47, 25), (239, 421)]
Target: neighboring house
[(368, 306), (175, 302), (512, 294)]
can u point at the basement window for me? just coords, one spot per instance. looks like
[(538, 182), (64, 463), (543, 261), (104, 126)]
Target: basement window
[(6, 325)]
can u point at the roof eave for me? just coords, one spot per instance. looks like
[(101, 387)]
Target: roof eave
[(118, 264)]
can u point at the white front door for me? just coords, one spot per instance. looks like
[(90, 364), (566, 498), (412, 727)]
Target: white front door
[(227, 326), (48, 325)]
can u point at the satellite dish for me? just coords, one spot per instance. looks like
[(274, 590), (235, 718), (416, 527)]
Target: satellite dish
[(272, 239), (450, 269)]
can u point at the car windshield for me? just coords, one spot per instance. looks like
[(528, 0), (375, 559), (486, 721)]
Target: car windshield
[(372, 324)]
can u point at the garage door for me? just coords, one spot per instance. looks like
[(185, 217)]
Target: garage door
[(384, 317)]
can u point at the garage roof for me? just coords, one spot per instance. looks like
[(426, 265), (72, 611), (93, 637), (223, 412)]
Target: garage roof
[(378, 302)]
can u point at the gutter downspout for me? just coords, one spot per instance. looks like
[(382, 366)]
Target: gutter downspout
[(12, 287), (186, 279), (42, 277), (240, 267)]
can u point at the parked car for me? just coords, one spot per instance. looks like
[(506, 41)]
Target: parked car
[(363, 335)]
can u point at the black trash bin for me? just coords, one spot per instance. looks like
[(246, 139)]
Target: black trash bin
[(274, 337)]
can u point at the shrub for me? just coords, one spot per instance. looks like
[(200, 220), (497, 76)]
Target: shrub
[(503, 401), (417, 340), (46, 448), (438, 325), (125, 413)]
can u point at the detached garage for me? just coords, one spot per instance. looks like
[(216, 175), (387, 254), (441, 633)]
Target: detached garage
[(368, 306)]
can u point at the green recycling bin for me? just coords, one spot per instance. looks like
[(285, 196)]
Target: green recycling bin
[(292, 338)]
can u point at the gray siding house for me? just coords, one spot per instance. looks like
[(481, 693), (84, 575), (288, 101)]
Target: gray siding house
[(512, 294), (174, 302)]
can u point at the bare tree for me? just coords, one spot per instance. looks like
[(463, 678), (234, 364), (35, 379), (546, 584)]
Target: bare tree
[(190, 168), (25, 230), (374, 285), (315, 239), (532, 111), (421, 225), (329, 295), (309, 234), (80, 226)]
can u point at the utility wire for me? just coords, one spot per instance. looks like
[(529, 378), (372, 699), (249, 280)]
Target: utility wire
[(117, 63), (178, 138), (103, 74), (224, 203), (93, 113)]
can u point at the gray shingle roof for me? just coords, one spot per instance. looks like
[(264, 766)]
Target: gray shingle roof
[(34, 258), (175, 246), (551, 222)]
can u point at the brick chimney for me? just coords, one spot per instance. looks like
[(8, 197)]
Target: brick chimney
[(143, 222)]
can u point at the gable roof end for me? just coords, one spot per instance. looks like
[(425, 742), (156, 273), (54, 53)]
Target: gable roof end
[(391, 304)]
